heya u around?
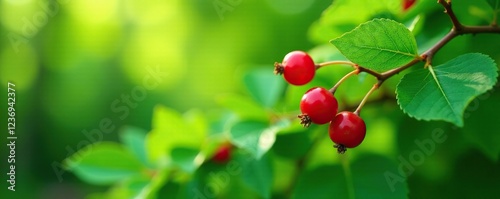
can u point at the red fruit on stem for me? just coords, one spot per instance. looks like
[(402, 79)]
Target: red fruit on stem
[(223, 154), (318, 105), (347, 130), (297, 68), (407, 4)]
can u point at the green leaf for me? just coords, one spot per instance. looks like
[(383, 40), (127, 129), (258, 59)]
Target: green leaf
[(169, 131), (244, 107), (186, 158), (134, 138), (130, 188), (379, 44), (253, 136), (104, 163), (256, 174), (444, 91), (265, 87), (196, 124), (339, 17)]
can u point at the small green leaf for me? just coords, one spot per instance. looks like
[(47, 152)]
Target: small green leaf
[(134, 138), (186, 158), (253, 136), (256, 174), (443, 92), (196, 123), (379, 44), (104, 163), (169, 131), (339, 18), (265, 87)]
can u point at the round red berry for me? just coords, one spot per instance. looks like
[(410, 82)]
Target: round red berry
[(347, 130), (318, 105), (223, 154), (407, 4), (297, 68)]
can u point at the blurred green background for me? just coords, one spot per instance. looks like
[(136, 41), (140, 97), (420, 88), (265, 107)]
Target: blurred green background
[(71, 59), (76, 63)]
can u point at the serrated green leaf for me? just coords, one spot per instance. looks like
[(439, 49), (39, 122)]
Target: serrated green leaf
[(135, 140), (265, 87), (339, 17), (443, 92), (379, 44), (104, 163), (253, 136)]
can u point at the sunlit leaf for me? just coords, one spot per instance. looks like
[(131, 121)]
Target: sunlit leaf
[(379, 44), (169, 131), (104, 163), (339, 17), (134, 138)]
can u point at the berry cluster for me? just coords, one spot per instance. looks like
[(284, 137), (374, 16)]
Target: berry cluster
[(319, 105)]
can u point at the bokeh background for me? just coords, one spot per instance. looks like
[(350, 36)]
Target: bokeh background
[(78, 62), (71, 59)]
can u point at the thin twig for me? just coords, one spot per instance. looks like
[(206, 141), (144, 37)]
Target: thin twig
[(449, 11)]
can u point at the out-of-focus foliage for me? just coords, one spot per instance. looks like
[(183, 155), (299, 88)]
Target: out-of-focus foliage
[(135, 97)]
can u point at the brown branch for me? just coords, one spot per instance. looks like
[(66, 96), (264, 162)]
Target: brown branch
[(449, 11)]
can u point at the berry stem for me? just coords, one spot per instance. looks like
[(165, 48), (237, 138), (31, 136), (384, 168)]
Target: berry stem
[(334, 88), (329, 63), (374, 87)]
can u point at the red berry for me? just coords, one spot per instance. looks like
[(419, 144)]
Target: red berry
[(318, 105), (297, 68), (223, 154), (347, 130), (407, 4)]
